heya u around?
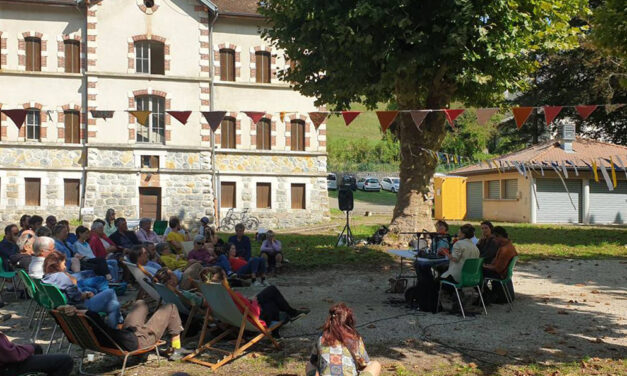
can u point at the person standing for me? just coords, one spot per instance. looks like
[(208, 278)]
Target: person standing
[(109, 225)]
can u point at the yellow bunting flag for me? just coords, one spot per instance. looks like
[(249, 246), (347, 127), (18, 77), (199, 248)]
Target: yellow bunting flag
[(613, 172), (282, 115), (594, 169), (141, 116)]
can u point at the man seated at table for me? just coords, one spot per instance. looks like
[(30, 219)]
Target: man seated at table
[(498, 267), (463, 250)]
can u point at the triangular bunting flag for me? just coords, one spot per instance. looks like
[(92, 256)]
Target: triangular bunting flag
[(484, 115), (282, 115), (550, 113), (606, 176), (585, 111), (18, 116), (451, 115), (620, 163), (214, 118), (613, 172), (594, 169), (418, 117), (141, 116), (181, 116), (318, 118), (100, 114), (609, 108), (349, 116), (386, 118), (255, 116), (521, 114)]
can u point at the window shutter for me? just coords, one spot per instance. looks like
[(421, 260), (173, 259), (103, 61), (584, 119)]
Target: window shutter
[(227, 65), (264, 200), (298, 196), (72, 56), (227, 130), (297, 135), (494, 190), (510, 189), (227, 194), (262, 64), (263, 134), (32, 191), (157, 58), (72, 192), (72, 127), (33, 54)]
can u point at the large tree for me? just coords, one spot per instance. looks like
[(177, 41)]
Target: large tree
[(417, 54)]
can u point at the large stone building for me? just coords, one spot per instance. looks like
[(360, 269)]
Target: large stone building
[(60, 59)]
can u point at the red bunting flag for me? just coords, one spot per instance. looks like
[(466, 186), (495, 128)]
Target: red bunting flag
[(18, 116), (214, 118), (318, 118), (386, 118), (349, 116), (451, 115), (141, 116), (550, 113), (585, 111), (521, 114), (418, 116), (485, 114), (255, 116), (181, 116)]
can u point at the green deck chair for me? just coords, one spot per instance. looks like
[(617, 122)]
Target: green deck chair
[(472, 276), (510, 273), (159, 227), (57, 299), (4, 275), (169, 297)]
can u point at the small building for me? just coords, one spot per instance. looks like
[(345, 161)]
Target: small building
[(449, 197), (537, 194)]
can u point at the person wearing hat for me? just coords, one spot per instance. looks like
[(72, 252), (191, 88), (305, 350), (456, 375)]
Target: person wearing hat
[(204, 224)]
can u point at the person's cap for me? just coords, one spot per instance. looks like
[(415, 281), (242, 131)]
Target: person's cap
[(204, 220), (199, 239)]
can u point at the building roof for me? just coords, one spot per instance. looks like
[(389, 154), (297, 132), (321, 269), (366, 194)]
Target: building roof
[(584, 150), (237, 7)]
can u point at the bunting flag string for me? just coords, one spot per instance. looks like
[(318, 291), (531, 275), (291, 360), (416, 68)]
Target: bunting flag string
[(606, 176), (550, 113), (386, 118), (585, 111), (18, 116), (613, 172), (214, 118), (181, 116), (141, 116), (620, 163), (255, 116), (418, 116), (451, 115), (521, 114), (594, 170), (349, 116), (101, 114), (485, 114), (317, 118)]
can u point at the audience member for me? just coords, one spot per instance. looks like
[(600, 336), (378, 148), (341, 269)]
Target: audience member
[(88, 261), (462, 250), (105, 301), (145, 234), (71, 237), (42, 247), (241, 241), (35, 222), (499, 265), (201, 253), (109, 222), (99, 242), (204, 226), (59, 233), (25, 245), (169, 259), (24, 223), (442, 240), (271, 251), (255, 267), (487, 244), (51, 221), (340, 350), (8, 245), (43, 231), (139, 256), (212, 237), (175, 237), (124, 238), (168, 278)]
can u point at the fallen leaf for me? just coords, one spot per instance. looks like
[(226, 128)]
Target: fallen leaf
[(371, 326), (501, 352), (550, 329), (595, 291), (597, 340), (562, 312)]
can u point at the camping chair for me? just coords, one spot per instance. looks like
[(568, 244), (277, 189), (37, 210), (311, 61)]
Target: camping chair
[(169, 297), (159, 227), (57, 299), (472, 275), (510, 273), (31, 292), (143, 281), (44, 303), (4, 275), (222, 306), (79, 330)]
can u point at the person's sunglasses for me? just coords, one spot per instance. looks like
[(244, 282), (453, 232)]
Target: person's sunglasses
[(200, 243)]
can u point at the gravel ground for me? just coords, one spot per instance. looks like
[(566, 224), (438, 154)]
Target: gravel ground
[(564, 310)]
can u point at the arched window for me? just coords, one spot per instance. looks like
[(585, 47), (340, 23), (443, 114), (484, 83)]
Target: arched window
[(33, 125), (33, 54), (149, 57), (297, 135), (154, 130), (227, 133), (263, 66), (264, 138), (72, 56), (227, 64)]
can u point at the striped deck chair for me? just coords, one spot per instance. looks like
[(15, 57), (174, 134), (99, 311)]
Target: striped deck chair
[(79, 330), (168, 296), (143, 280), (220, 299)]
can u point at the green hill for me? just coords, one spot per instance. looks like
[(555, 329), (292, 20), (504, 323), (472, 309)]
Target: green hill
[(365, 126)]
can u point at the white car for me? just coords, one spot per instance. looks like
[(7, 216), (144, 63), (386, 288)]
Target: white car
[(369, 184), (390, 184), (331, 182)]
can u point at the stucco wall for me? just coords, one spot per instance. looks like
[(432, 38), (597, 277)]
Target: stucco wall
[(516, 210)]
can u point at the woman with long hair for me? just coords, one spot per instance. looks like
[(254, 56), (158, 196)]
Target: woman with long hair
[(109, 227), (340, 349)]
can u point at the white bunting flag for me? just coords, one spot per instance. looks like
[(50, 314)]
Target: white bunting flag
[(606, 176), (564, 170), (620, 163)]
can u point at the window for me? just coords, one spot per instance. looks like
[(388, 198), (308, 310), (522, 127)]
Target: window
[(493, 190), (149, 3), (262, 64), (298, 196), (510, 189), (227, 194), (264, 138), (227, 64), (154, 131), (33, 54), (72, 127), (72, 56), (298, 135), (227, 129), (71, 192), (33, 125), (150, 161), (149, 57), (264, 198), (32, 191)]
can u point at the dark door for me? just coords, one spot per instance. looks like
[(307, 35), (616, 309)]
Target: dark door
[(150, 203)]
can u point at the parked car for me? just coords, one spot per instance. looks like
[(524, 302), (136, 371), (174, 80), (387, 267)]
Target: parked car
[(331, 182), (390, 184), (369, 184)]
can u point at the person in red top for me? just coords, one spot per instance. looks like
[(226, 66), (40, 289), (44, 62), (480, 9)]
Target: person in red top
[(255, 267), (99, 242), (498, 267)]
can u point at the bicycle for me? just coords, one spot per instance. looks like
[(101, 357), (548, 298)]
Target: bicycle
[(232, 218)]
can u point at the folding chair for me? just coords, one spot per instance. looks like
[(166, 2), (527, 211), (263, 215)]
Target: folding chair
[(4, 275), (143, 281), (45, 304), (57, 299), (472, 276), (510, 273), (168, 296), (79, 330), (222, 306), (31, 292)]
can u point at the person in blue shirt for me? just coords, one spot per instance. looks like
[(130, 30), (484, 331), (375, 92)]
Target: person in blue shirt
[(242, 242), (8, 245), (71, 237), (59, 234)]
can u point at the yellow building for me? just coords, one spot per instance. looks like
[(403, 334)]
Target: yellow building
[(450, 197)]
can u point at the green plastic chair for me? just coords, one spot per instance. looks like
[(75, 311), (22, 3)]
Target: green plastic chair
[(510, 273), (44, 303), (159, 227), (472, 276), (57, 299), (31, 291), (4, 275)]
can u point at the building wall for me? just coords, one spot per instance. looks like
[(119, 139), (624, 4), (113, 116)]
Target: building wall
[(514, 210)]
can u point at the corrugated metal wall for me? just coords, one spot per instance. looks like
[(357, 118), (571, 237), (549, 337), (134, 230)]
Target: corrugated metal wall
[(606, 206), (555, 206)]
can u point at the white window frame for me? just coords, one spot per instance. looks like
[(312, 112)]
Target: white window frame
[(33, 124), (155, 122)]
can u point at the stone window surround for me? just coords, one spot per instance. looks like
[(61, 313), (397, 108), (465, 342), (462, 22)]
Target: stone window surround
[(3, 50), (21, 49), (216, 59), (288, 130), (145, 9), (61, 50), (43, 122), (61, 121), (253, 63), (132, 106), (147, 37), (253, 131), (238, 129), (275, 187)]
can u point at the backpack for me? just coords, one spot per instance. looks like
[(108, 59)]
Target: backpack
[(424, 295), (377, 237)]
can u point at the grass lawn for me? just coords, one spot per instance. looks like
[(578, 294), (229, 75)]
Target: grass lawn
[(366, 125), (375, 198)]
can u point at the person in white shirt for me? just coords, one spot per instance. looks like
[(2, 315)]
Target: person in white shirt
[(42, 247), (463, 249)]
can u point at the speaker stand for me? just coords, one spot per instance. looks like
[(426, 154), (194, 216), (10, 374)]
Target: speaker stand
[(347, 231)]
